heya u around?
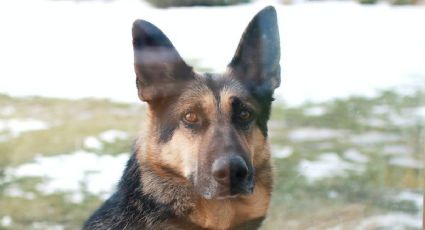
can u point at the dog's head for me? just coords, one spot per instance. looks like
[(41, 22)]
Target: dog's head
[(209, 129)]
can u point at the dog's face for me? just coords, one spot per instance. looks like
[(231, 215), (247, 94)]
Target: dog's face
[(209, 129)]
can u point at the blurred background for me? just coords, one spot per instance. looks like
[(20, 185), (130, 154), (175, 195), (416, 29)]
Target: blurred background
[(347, 129)]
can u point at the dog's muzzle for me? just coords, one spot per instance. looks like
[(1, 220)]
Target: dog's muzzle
[(233, 175)]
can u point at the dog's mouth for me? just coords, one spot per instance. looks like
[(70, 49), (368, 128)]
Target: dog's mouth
[(215, 191)]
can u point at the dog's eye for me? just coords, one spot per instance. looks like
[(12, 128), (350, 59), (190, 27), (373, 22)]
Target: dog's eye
[(245, 115), (191, 117)]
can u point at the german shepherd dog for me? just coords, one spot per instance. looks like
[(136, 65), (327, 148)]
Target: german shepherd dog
[(204, 160)]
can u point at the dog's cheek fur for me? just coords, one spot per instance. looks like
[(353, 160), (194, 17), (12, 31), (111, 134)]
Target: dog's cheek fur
[(180, 153)]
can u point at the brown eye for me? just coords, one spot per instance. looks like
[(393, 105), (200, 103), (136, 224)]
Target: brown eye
[(191, 117), (244, 115)]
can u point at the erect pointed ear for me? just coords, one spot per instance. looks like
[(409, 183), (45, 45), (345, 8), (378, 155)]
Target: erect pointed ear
[(256, 61), (160, 70)]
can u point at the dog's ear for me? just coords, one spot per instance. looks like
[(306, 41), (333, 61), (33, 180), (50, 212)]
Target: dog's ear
[(160, 70), (256, 61)]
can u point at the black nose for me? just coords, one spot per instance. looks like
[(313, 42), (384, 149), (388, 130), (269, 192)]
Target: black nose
[(230, 170)]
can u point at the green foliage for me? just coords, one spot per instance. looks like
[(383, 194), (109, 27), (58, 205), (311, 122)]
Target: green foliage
[(177, 3)]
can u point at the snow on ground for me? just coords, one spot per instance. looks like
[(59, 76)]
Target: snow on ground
[(17, 126), (16, 191), (391, 220), (46, 226), (112, 135), (6, 221), (7, 110), (98, 174), (91, 142), (315, 111), (327, 165), (329, 49), (314, 134), (396, 150), (356, 156), (373, 137), (283, 153), (406, 162), (415, 198), (108, 136)]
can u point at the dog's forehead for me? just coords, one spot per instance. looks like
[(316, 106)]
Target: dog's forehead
[(217, 87)]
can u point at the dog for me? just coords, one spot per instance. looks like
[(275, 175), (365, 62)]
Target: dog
[(204, 160)]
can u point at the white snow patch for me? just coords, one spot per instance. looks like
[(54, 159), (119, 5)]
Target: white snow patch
[(356, 156), (373, 137), (420, 112), (375, 122), (7, 110), (18, 126), (6, 221), (406, 162), (415, 198), (403, 120), (396, 150), (314, 111), (314, 134), (333, 194), (391, 221), (4, 138), (284, 152), (92, 143), (14, 191), (68, 173), (112, 135), (47, 226), (328, 165), (382, 110)]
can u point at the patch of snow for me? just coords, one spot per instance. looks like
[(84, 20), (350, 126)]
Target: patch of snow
[(403, 120), (373, 137), (314, 111), (356, 156), (396, 150), (284, 152), (415, 198), (375, 122), (7, 110), (14, 191), (314, 134), (92, 143), (18, 126), (328, 165), (4, 138), (112, 135), (406, 162), (6, 221), (47, 226), (391, 221), (382, 110), (420, 112), (78, 197), (333, 194), (98, 174)]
